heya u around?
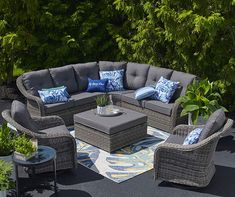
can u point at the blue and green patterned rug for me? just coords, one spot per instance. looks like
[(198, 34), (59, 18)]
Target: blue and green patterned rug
[(125, 163)]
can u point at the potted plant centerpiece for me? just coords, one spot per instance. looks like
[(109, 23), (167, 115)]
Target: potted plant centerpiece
[(24, 148), (101, 102), (6, 143), (201, 99), (6, 182)]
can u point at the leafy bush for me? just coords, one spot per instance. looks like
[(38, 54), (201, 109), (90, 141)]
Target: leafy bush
[(24, 145), (5, 172), (6, 140), (202, 98)]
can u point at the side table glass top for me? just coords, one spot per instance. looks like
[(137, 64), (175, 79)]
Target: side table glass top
[(44, 154)]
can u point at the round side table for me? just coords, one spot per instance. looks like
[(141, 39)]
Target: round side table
[(44, 154)]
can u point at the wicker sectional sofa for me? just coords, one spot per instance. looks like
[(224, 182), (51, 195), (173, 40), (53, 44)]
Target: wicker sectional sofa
[(75, 78)]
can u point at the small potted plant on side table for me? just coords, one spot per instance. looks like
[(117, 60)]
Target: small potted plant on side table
[(24, 148), (6, 143), (101, 102), (6, 182)]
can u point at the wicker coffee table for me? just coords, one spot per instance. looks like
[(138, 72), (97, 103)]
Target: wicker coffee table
[(110, 133)]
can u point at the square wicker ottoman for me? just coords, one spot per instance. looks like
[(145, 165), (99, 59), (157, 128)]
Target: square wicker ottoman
[(110, 133)]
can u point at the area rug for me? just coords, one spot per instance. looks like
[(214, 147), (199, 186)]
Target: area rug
[(125, 163)]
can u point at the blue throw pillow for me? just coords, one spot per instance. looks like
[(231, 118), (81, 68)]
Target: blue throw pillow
[(115, 79), (193, 136), (97, 85), (165, 90), (144, 92), (54, 95), (60, 87)]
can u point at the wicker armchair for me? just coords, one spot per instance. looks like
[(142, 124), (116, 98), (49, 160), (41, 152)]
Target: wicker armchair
[(59, 139), (188, 164)]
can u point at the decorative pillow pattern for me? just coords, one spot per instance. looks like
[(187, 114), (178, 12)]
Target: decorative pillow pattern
[(54, 95), (97, 85), (115, 79), (57, 88), (165, 90), (193, 136), (144, 92)]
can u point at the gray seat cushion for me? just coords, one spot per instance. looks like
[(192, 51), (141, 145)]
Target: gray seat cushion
[(130, 98), (155, 73), (110, 66), (55, 107), (64, 76), (117, 95), (185, 79), (136, 75), (159, 107), (20, 114), (83, 98), (54, 131), (213, 124), (37, 80), (175, 139), (85, 71)]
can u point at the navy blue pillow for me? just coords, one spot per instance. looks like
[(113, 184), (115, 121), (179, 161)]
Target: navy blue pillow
[(97, 85)]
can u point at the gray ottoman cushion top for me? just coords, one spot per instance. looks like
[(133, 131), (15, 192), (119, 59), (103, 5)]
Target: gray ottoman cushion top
[(37, 80), (64, 76), (184, 79), (155, 73), (110, 66), (175, 139), (110, 125), (20, 114), (213, 124), (130, 98), (158, 106), (136, 75), (85, 71)]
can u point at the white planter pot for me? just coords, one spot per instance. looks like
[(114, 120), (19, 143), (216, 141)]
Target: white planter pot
[(3, 193), (101, 110), (7, 158), (200, 121)]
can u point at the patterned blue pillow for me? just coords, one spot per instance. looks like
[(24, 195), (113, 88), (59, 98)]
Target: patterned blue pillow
[(97, 85), (115, 79), (54, 95), (144, 92), (56, 88), (193, 136), (165, 90)]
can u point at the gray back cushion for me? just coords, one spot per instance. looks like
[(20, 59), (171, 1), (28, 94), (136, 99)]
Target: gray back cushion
[(136, 75), (64, 76), (155, 73), (37, 80), (110, 66), (20, 114), (185, 79), (213, 124), (85, 71)]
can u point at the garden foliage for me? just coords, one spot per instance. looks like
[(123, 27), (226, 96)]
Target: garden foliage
[(193, 36)]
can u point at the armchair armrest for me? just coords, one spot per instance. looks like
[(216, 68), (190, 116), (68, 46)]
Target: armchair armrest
[(183, 129), (30, 96), (47, 121)]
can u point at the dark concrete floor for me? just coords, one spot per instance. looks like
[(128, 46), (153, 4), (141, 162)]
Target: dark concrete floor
[(83, 182)]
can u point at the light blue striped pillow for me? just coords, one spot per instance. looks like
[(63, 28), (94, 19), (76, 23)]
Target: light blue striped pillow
[(144, 92)]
